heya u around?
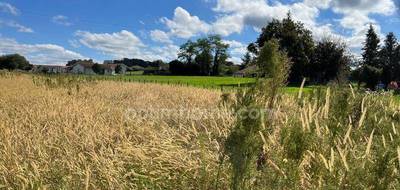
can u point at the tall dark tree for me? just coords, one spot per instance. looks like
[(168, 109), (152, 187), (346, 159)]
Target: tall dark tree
[(293, 38), (209, 53), (371, 65), (246, 60), (330, 62), (187, 52), (220, 50), (388, 59), (97, 68), (371, 48), (204, 57), (14, 61)]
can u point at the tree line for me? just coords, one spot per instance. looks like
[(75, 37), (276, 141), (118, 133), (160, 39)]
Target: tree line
[(379, 64), (14, 62), (206, 57)]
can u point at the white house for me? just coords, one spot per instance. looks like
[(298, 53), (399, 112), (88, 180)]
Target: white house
[(111, 69), (55, 69), (82, 68)]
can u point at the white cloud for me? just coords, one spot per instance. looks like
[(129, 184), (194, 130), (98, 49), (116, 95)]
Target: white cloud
[(184, 25), (74, 43), (118, 44), (237, 50), (257, 13), (19, 27), (227, 25), (125, 44), (39, 53), (8, 8), (160, 36), (62, 20)]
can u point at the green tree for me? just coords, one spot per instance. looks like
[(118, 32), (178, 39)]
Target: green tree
[(187, 52), (246, 60), (371, 59), (330, 62), (204, 57), (220, 50), (14, 61), (97, 69), (293, 38), (244, 146), (209, 53), (118, 69), (388, 59)]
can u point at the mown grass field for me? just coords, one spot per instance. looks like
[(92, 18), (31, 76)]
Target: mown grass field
[(197, 81)]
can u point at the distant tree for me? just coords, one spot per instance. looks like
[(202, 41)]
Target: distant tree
[(209, 53), (389, 61), (204, 58), (73, 62), (293, 38), (187, 52), (177, 67), (246, 60), (371, 65), (220, 50), (330, 62), (97, 69), (14, 61)]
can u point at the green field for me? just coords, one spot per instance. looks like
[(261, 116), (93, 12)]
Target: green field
[(197, 81)]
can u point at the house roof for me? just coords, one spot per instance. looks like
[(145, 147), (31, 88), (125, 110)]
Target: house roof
[(84, 64), (247, 70), (50, 66)]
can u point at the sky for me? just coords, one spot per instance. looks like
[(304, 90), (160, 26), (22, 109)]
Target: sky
[(55, 31)]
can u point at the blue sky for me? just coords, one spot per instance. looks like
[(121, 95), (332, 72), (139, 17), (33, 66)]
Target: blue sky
[(55, 31)]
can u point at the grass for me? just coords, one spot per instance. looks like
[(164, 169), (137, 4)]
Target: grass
[(76, 133), (198, 81)]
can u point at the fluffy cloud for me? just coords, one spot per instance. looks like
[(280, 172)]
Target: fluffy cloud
[(8, 8), (119, 44), (160, 36), (17, 26), (39, 53), (125, 44), (62, 20), (227, 25), (257, 13), (237, 50), (184, 25)]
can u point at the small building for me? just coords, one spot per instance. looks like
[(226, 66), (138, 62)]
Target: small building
[(250, 71), (112, 69), (53, 69), (82, 68)]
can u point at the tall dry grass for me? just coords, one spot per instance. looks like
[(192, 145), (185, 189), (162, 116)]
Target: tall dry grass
[(71, 133), (76, 135)]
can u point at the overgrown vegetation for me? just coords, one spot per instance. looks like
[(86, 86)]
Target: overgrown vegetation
[(61, 133)]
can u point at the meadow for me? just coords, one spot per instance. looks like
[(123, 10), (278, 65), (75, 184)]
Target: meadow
[(195, 81), (76, 133)]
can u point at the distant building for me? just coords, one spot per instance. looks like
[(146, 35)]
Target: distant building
[(250, 71), (54, 69), (111, 69), (82, 68), (108, 62)]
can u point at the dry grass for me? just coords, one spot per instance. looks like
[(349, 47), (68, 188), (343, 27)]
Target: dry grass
[(79, 137), (72, 134)]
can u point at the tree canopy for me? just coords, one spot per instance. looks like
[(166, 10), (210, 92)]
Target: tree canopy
[(14, 61), (294, 39), (207, 53)]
